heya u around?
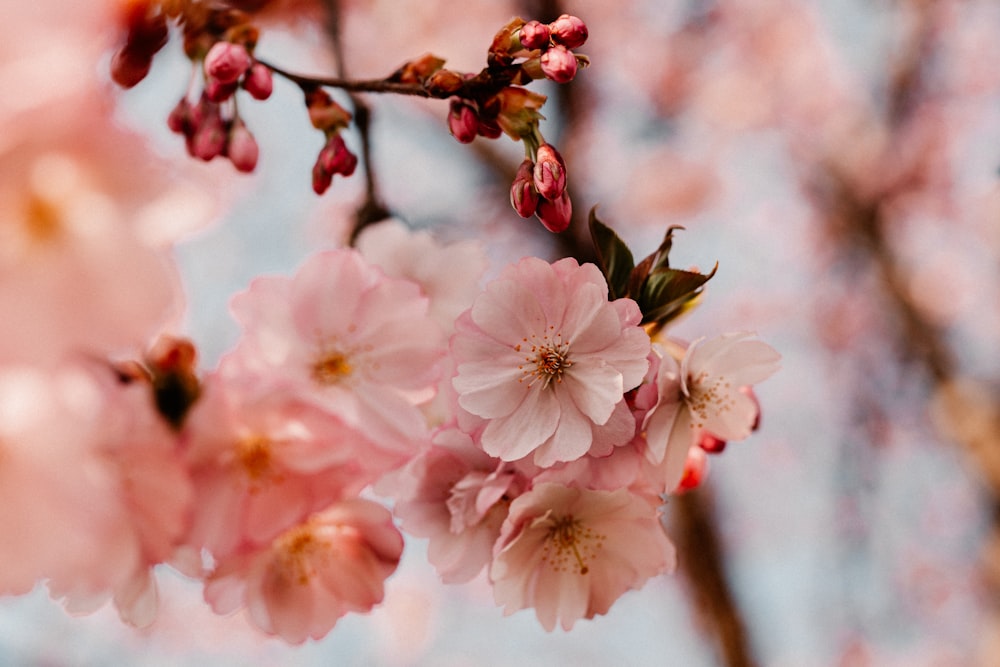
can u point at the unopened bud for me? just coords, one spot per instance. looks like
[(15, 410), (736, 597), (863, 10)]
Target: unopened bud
[(259, 82), (534, 35), (523, 196), (227, 62), (695, 470), (335, 158), (555, 215), (129, 67), (569, 31), (712, 444), (550, 172), (463, 121), (217, 91), (559, 64), (242, 148), (209, 137)]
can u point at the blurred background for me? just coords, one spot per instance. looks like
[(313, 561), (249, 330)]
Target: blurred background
[(839, 160)]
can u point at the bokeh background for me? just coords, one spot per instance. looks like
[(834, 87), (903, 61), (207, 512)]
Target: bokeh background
[(839, 160)]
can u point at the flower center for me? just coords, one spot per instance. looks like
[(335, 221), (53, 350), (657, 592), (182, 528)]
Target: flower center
[(331, 369), (571, 545), (547, 358), (708, 396), (296, 548), (254, 454)]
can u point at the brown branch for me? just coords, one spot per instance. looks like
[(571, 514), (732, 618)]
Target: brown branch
[(703, 563)]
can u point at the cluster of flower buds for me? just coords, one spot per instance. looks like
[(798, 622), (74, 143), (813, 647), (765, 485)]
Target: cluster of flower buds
[(539, 189), (555, 41), (146, 33), (335, 158), (208, 135), (222, 39)]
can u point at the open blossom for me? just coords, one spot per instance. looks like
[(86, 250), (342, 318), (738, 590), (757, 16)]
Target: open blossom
[(544, 357), (458, 499), (347, 337), (569, 553), (300, 584), (703, 393), (262, 460), (448, 275), (93, 492)]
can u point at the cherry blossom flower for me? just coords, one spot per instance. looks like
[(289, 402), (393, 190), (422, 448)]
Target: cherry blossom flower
[(448, 275), (262, 460), (458, 497), (300, 584), (543, 357), (570, 553), (702, 393), (347, 337)]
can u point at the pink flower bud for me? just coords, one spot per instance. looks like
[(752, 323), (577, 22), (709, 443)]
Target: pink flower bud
[(209, 137), (227, 62), (534, 35), (259, 82), (463, 121), (711, 444), (569, 31), (559, 64), (242, 148), (555, 215), (523, 196), (336, 158), (180, 119), (550, 172), (321, 178), (217, 91), (695, 470)]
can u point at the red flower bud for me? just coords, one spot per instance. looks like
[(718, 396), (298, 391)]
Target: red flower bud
[(335, 158), (534, 35), (555, 215), (259, 82), (242, 148), (463, 121), (559, 64), (550, 172), (695, 470), (569, 31), (227, 62), (523, 196), (209, 137), (217, 91), (711, 444), (129, 67)]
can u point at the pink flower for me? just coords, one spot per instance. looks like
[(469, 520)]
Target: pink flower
[(448, 275), (312, 574), (570, 553), (346, 337), (544, 358), (458, 498), (702, 393), (263, 459)]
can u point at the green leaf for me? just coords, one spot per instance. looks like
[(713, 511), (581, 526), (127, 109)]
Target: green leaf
[(613, 257), (669, 293)]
